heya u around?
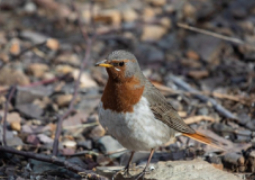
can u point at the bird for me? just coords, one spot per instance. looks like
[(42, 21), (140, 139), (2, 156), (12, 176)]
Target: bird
[(134, 111)]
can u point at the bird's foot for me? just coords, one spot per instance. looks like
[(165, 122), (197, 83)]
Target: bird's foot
[(126, 173), (142, 174)]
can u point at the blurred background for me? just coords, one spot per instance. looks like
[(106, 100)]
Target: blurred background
[(199, 53)]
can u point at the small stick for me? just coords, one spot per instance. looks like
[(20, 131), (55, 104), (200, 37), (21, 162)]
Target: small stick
[(12, 90), (54, 160), (209, 33), (195, 119)]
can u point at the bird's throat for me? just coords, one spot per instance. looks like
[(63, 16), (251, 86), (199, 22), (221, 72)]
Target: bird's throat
[(122, 96)]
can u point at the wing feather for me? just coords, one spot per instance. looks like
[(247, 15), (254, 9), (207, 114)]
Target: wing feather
[(163, 110)]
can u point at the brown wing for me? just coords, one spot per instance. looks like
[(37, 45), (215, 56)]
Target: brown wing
[(164, 111)]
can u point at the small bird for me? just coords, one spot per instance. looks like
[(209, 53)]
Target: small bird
[(134, 112)]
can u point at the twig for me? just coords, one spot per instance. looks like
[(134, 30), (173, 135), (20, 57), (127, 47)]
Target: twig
[(80, 126), (226, 38), (12, 90), (54, 160), (204, 98), (195, 119), (76, 87)]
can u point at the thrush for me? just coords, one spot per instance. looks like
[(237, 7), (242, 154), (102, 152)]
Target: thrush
[(134, 112)]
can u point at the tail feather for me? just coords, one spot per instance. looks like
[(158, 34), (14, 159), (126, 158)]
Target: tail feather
[(203, 139)]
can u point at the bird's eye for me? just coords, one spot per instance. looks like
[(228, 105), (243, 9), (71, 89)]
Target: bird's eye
[(121, 64)]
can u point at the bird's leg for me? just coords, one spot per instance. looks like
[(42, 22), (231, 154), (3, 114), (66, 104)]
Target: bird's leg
[(147, 164), (126, 169)]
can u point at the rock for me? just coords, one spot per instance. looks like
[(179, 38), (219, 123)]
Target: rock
[(33, 139), (85, 144), (37, 69), (29, 94), (71, 59), (30, 110), (110, 16), (15, 126), (129, 15), (63, 100), (234, 162), (35, 37), (15, 141), (14, 77), (147, 53), (198, 74), (64, 69), (174, 170), (166, 22), (192, 55), (86, 81), (189, 11), (30, 7), (52, 44), (153, 32), (4, 57), (45, 139), (97, 132), (14, 47), (207, 47), (107, 145), (69, 144), (157, 2)]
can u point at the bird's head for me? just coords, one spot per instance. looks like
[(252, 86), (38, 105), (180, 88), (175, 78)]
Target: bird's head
[(121, 66)]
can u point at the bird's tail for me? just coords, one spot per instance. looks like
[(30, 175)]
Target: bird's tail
[(203, 139)]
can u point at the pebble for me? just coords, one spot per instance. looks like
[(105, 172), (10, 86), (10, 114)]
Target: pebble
[(153, 32)]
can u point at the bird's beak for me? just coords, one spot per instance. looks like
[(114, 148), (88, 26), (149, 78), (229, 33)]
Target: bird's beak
[(104, 64)]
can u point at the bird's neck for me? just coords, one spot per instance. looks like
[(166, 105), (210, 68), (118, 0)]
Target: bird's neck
[(122, 96)]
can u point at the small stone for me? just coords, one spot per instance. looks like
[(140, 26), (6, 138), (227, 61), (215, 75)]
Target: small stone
[(30, 7), (45, 139), (69, 144), (86, 80), (14, 77), (107, 145), (234, 162), (4, 57), (15, 126), (148, 53), (157, 2), (15, 141), (52, 44), (166, 22), (15, 47), (129, 15), (198, 74), (189, 11), (64, 69), (37, 69), (153, 33), (148, 13), (30, 110), (97, 132), (32, 139), (192, 55), (63, 99), (85, 144), (29, 94), (111, 16), (71, 59)]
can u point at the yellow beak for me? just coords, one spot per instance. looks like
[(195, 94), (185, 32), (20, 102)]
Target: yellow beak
[(104, 64)]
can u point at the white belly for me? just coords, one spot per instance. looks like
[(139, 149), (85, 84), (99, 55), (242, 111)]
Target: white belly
[(137, 131)]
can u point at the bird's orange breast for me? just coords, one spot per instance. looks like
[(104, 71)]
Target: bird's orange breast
[(122, 96)]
